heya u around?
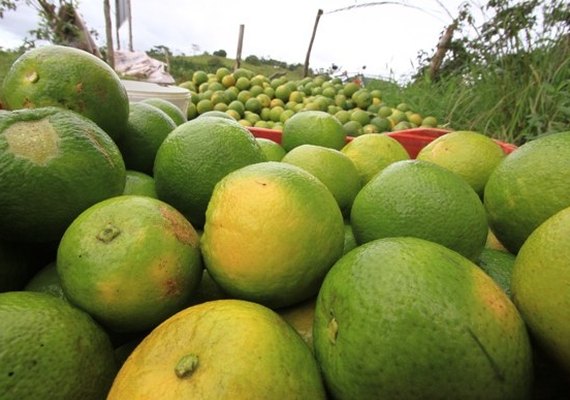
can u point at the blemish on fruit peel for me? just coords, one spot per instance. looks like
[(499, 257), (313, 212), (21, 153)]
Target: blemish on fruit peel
[(492, 363), (186, 365), (183, 233), (95, 141), (332, 330), (109, 233), (36, 141)]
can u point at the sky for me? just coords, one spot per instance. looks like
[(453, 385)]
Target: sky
[(384, 38)]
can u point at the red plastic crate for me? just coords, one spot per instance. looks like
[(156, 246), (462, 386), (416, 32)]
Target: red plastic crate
[(413, 139)]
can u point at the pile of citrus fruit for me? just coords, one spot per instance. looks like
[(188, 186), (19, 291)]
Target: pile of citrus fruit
[(260, 101), (170, 257)]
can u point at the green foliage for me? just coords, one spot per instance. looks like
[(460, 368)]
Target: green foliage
[(7, 58), (511, 81), (220, 53), (253, 60)]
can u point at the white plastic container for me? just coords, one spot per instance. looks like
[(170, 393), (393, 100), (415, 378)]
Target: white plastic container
[(138, 91)]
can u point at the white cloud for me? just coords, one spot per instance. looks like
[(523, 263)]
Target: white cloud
[(384, 38)]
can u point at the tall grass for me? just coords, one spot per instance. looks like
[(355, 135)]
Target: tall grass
[(511, 82), (515, 100)]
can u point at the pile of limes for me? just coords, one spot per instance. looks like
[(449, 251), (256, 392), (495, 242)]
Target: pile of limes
[(259, 101), (184, 258)]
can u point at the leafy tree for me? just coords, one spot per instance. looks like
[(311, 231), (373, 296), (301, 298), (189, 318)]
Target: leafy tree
[(516, 28), (220, 53), (59, 23), (253, 60)]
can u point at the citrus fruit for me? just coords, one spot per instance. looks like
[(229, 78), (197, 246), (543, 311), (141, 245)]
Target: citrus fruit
[(353, 128), (140, 183), (253, 104), (204, 106), (349, 239), (168, 107), (221, 349), (429, 121), (130, 262), (273, 151), (283, 92), (216, 114), (237, 106), (70, 78), (350, 88), (498, 265), (46, 280), (471, 155), (199, 77), (416, 119), (147, 127), (331, 167), (221, 72), (362, 98), (441, 327), (55, 163), (313, 127), (228, 81), (195, 156), (300, 317), (421, 199), (242, 83), (272, 232), (360, 116), (44, 336), (527, 187), (371, 153), (540, 282), (192, 111), (384, 112), (343, 116), (381, 124)]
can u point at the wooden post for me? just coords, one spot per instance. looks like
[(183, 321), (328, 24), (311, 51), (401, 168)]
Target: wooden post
[(117, 37), (109, 34), (306, 70), (240, 45), (130, 20), (442, 47)]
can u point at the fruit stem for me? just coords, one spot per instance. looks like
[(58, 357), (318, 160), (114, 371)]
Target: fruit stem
[(186, 365), (108, 233)]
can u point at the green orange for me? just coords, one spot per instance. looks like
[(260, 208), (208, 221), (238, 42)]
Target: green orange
[(273, 151), (540, 281), (272, 232), (221, 349), (471, 155), (498, 265), (330, 166), (371, 153), (421, 199), (55, 164), (147, 128), (70, 78), (528, 187), (51, 349), (407, 318), (46, 280), (130, 262), (195, 156), (313, 127), (140, 183), (169, 108)]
